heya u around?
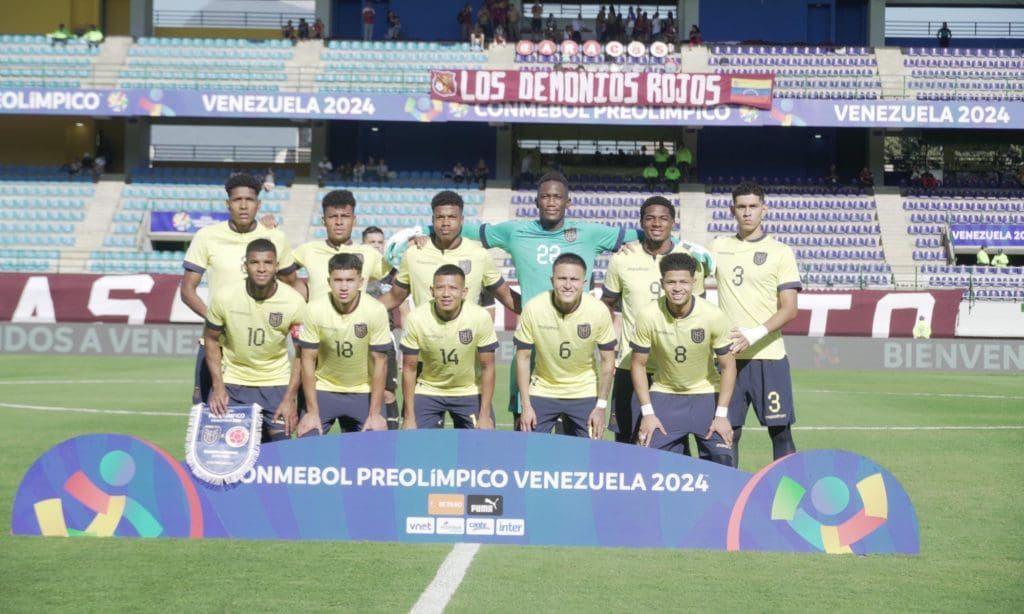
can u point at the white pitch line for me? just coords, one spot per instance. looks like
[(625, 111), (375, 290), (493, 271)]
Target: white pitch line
[(52, 382), (449, 575), (951, 395), (89, 410)]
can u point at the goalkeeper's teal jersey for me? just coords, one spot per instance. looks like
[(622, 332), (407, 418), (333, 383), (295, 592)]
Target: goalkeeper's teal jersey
[(534, 249)]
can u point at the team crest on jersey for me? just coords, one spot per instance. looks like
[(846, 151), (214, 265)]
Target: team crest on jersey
[(275, 318), (466, 336), (466, 266), (211, 434), (697, 335), (583, 330), (760, 258), (359, 330), (569, 234)]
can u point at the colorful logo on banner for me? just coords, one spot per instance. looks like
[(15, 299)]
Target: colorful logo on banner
[(487, 486), (189, 222)]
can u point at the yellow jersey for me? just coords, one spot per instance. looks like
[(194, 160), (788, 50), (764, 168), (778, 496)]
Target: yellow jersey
[(344, 342), (416, 271), (314, 256), (448, 349), (219, 251)]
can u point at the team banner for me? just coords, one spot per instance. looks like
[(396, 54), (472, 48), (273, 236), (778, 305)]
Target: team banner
[(593, 88), (494, 487), (995, 236), (423, 107), (221, 449), (184, 222)]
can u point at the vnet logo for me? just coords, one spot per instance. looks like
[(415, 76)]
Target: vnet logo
[(419, 525), (511, 526), (480, 526)]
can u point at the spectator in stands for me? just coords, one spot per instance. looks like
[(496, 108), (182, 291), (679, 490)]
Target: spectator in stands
[(982, 258), (661, 157), (651, 173), (832, 178), (536, 18), (695, 36), (513, 18), (93, 36), (99, 165), (1001, 259), (656, 26), (303, 29), (922, 330), (465, 19), (288, 31), (630, 25), (394, 26), (268, 181), (578, 28), (672, 177), (368, 18), (358, 171), (499, 19), (642, 28), (324, 167), (382, 170), (551, 28), (371, 169), (601, 24), (866, 178), (477, 39), (684, 159), (483, 19), (928, 180), (481, 171), (60, 35), (318, 29), (458, 172), (944, 35), (668, 31)]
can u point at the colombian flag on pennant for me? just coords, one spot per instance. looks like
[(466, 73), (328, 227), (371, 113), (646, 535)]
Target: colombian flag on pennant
[(751, 90)]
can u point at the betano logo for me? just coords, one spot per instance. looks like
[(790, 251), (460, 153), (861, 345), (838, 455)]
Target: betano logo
[(480, 526), (511, 526), (446, 505), (451, 526), (419, 525)]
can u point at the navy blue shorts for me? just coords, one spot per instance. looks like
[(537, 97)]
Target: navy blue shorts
[(348, 409), (682, 414), (203, 381), (574, 413), (625, 418), (767, 385), (269, 398), (430, 411)]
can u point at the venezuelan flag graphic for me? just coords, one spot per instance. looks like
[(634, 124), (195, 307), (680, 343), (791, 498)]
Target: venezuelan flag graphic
[(751, 90)]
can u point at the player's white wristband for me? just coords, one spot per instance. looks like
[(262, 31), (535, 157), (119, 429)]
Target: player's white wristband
[(602, 403), (721, 412), (647, 410), (753, 335)]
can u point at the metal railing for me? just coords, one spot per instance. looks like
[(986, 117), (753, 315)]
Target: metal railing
[(959, 29), (227, 19), (229, 153)]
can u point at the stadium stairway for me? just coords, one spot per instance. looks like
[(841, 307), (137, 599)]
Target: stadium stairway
[(898, 245), (892, 73), (112, 58), (694, 59), (99, 213), (501, 57), (302, 204), (303, 66), (693, 214)]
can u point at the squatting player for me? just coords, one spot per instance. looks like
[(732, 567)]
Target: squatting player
[(633, 280), (563, 328), (247, 331), (219, 251), (675, 339), (454, 342), (758, 283), (339, 217)]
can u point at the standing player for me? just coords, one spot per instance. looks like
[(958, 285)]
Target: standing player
[(246, 335), (219, 250), (339, 217), (454, 341), (758, 283), (564, 327), (374, 237), (345, 337), (679, 334), (447, 246), (633, 280)]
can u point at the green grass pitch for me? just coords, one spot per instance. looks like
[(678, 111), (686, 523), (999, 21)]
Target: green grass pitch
[(966, 484)]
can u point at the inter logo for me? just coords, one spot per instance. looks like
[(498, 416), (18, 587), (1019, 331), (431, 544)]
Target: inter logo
[(466, 336), (485, 505), (569, 234), (466, 266), (583, 330), (275, 318), (359, 330), (760, 258), (697, 335)]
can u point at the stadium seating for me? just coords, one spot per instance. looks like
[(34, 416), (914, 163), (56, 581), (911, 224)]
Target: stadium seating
[(389, 66), (965, 74), (847, 73), (31, 61), (207, 63)]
